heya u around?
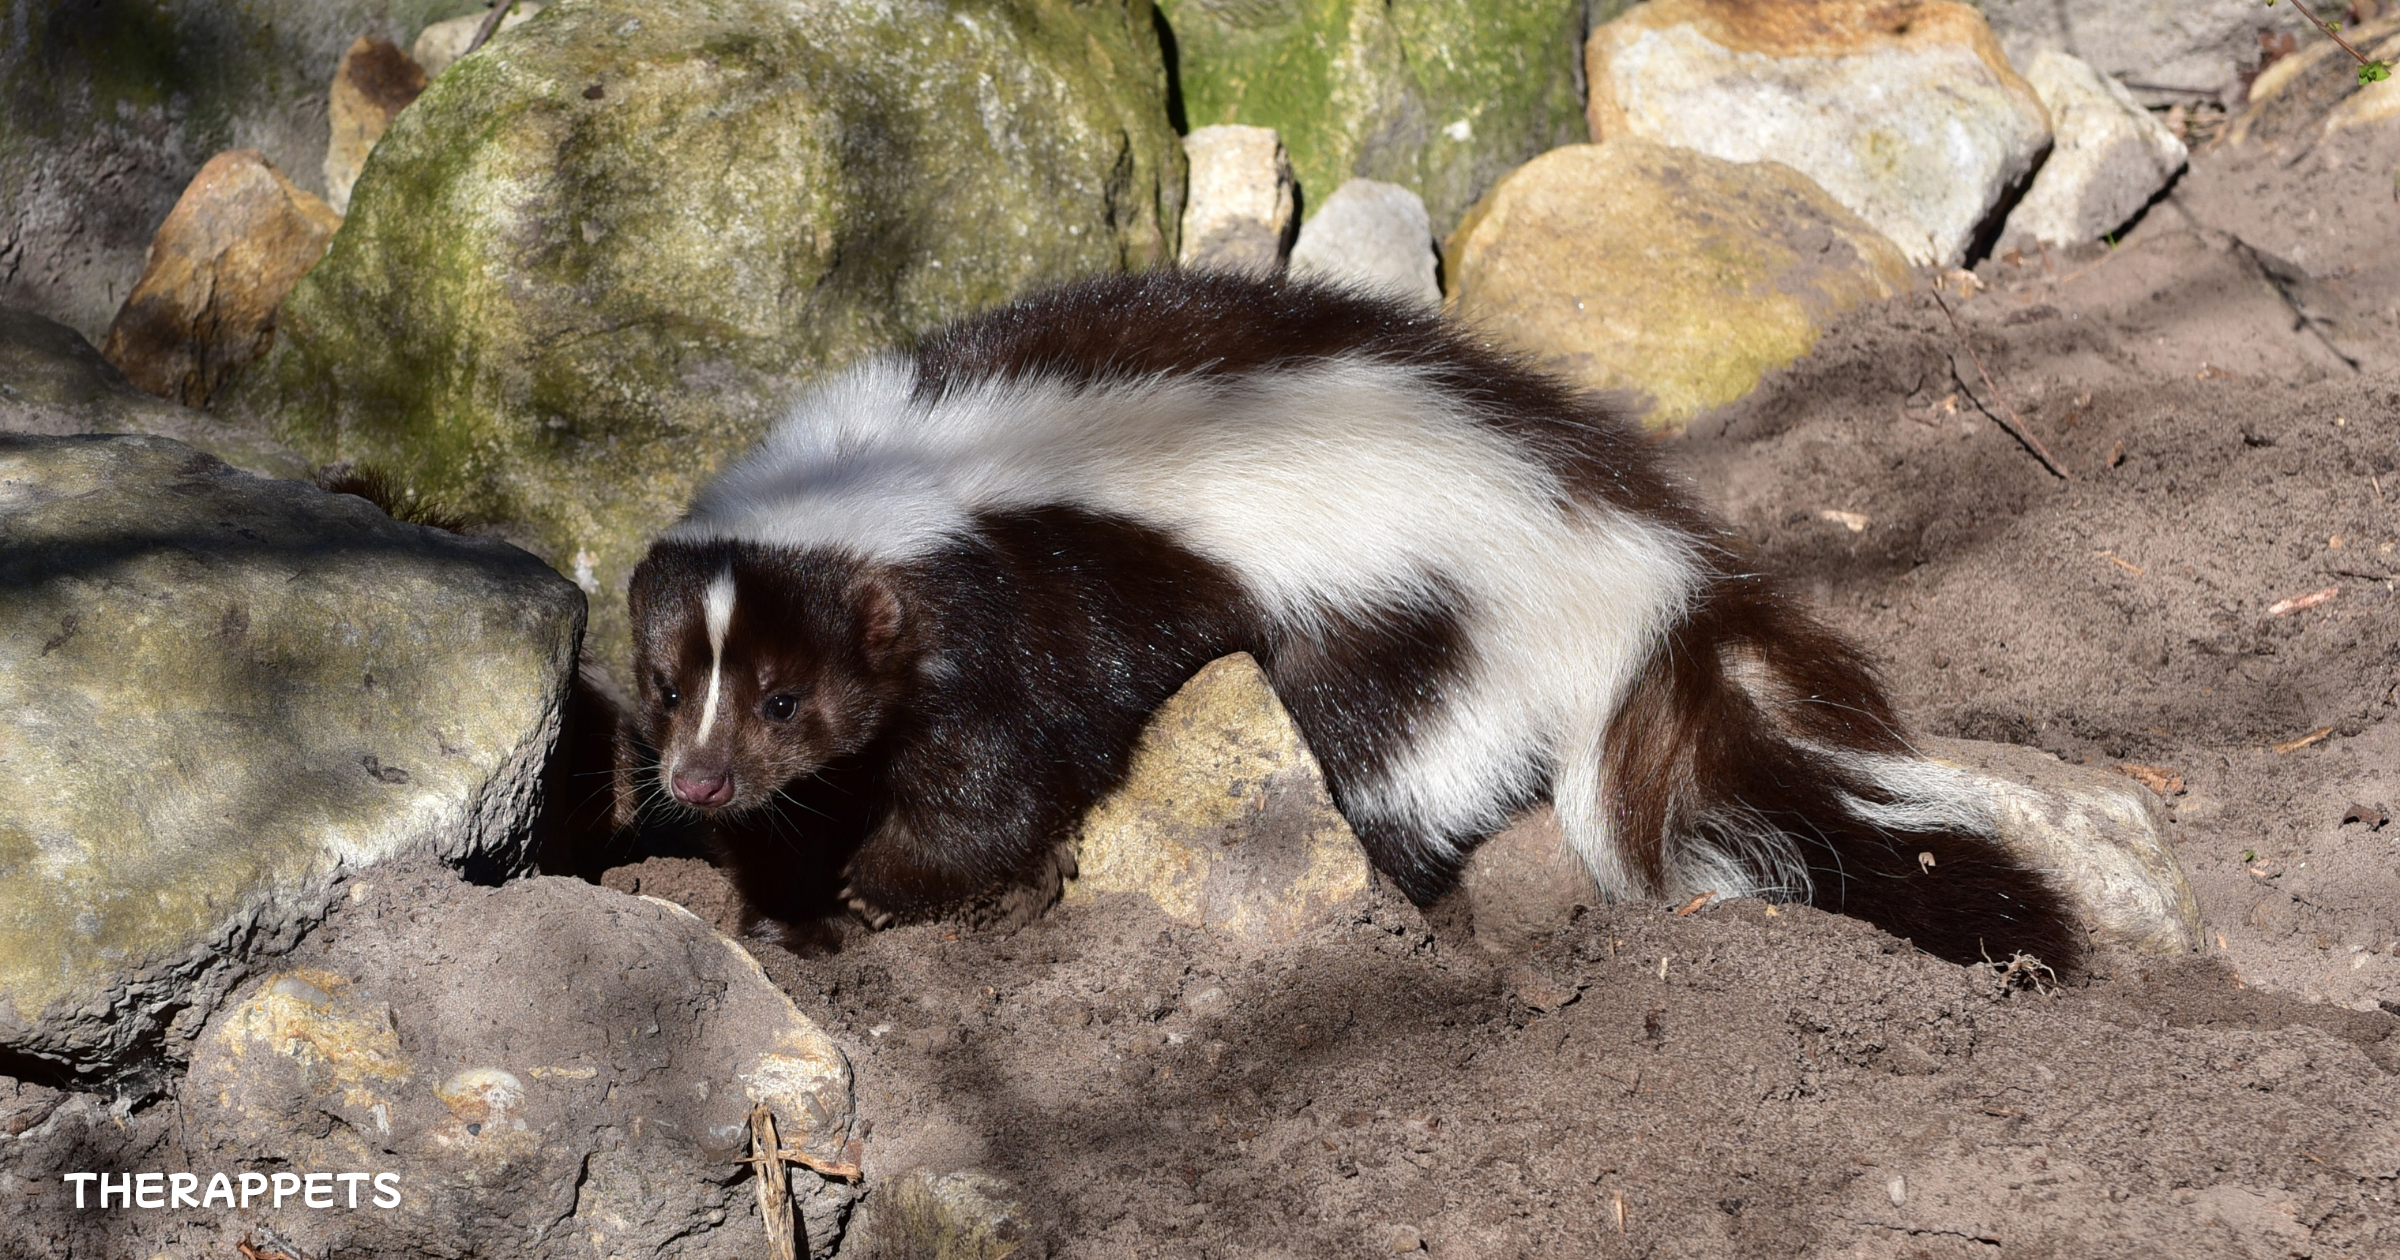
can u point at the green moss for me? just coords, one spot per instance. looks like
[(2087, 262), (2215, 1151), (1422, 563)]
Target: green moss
[(1439, 96), (561, 313)]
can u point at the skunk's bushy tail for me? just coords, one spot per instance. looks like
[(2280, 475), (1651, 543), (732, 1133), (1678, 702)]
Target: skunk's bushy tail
[(1756, 754)]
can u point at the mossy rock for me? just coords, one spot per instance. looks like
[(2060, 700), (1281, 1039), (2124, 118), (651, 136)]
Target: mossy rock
[(582, 271), (1441, 97)]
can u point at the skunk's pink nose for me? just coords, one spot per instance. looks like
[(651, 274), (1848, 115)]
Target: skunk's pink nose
[(704, 792)]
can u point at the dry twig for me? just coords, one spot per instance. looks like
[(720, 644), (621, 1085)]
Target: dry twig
[(2009, 419), (2298, 602), (2295, 745), (491, 23), (2159, 779), (768, 1157), (774, 1191)]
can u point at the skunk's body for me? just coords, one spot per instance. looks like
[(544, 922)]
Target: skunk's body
[(936, 606)]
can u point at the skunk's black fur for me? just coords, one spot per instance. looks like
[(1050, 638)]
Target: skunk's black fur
[(898, 649)]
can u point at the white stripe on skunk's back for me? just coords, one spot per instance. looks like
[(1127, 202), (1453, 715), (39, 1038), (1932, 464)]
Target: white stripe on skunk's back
[(1344, 483)]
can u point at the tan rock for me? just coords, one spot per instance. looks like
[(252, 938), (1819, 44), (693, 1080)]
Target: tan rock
[(2109, 159), (236, 242), (1905, 110), (1224, 819), (1635, 266), (373, 83), (1238, 213), (446, 41)]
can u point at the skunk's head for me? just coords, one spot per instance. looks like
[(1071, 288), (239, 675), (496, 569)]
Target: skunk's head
[(756, 666)]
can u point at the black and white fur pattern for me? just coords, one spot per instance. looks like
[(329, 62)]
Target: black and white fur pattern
[(967, 575)]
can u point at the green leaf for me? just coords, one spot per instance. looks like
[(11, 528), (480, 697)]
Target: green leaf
[(2374, 72)]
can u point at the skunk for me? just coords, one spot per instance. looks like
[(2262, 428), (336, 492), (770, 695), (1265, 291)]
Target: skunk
[(898, 649)]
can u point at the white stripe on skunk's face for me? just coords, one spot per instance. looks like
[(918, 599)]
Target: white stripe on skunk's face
[(756, 668), (717, 609)]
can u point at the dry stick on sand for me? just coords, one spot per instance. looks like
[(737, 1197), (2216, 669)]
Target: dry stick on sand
[(2285, 607), (768, 1156), (2008, 419), (491, 23)]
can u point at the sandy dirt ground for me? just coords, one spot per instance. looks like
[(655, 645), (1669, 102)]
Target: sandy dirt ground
[(2222, 390)]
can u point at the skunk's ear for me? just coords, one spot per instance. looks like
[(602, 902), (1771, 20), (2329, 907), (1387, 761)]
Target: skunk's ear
[(881, 621)]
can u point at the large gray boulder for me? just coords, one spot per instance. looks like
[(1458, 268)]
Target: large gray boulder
[(584, 270), (573, 1079), (219, 695), (540, 1071)]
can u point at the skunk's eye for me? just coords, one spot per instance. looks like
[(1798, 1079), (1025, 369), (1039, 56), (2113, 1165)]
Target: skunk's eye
[(780, 708), (668, 697)]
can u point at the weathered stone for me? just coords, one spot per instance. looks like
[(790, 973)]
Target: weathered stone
[(1906, 112), (1223, 818), (2167, 51), (940, 1216), (107, 112), (2316, 90), (236, 242), (1635, 266), (2108, 157), (586, 267), (1237, 214), (53, 383), (1373, 235), (218, 694), (444, 42), (2100, 836), (1439, 96), (373, 83), (592, 1106)]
